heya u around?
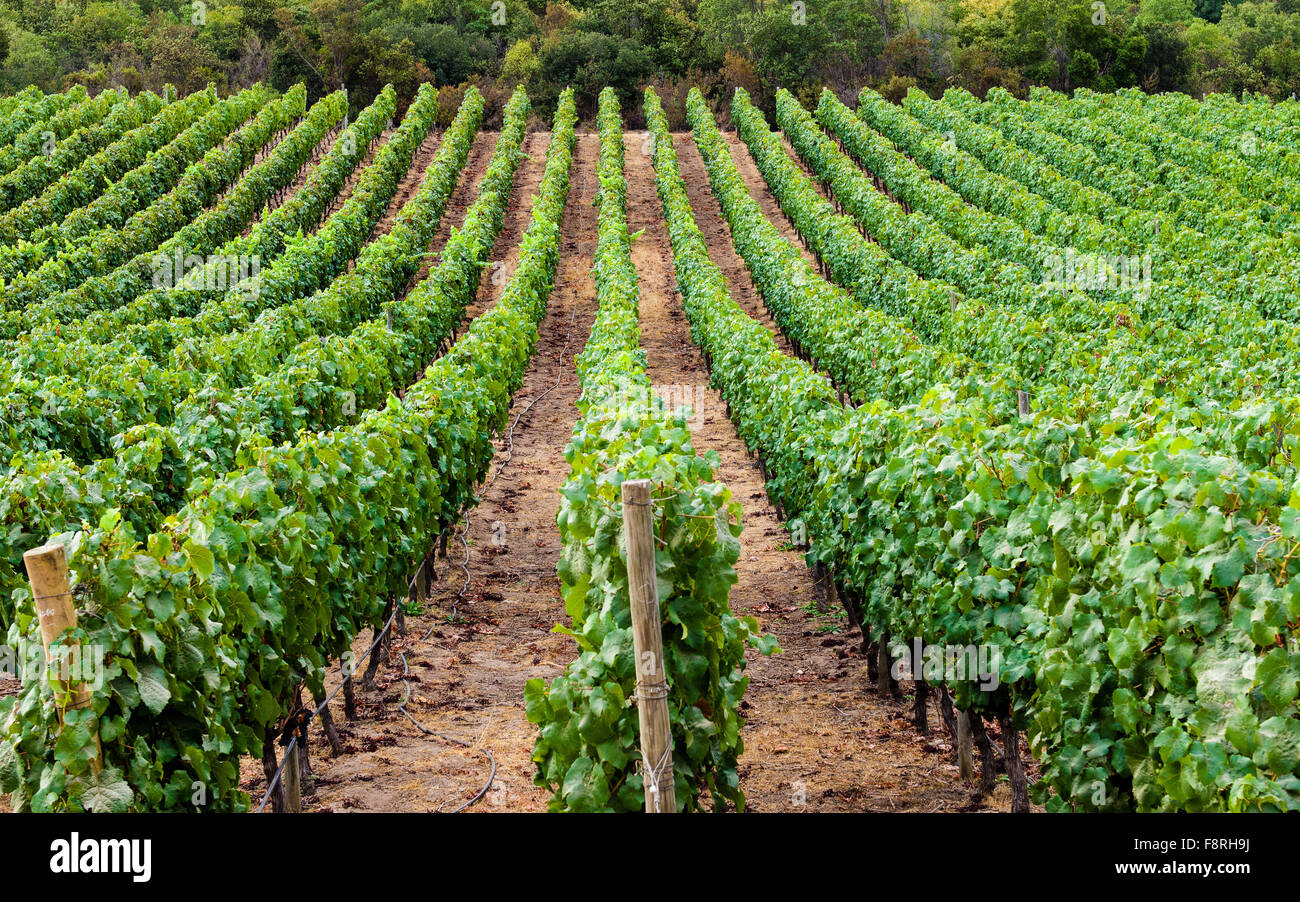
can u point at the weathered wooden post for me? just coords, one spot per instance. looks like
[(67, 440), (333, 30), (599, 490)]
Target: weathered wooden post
[(647, 638), (47, 571), (292, 779)]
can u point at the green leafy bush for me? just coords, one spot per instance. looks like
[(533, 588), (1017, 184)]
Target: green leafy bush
[(588, 749)]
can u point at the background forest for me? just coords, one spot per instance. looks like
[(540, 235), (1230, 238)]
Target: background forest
[(1160, 45)]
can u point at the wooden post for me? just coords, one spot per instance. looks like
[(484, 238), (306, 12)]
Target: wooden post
[(292, 779), (965, 759), (1022, 402), (47, 570), (306, 778), (647, 639)]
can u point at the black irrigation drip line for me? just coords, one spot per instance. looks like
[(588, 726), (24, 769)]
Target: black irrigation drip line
[(455, 602), (492, 761)]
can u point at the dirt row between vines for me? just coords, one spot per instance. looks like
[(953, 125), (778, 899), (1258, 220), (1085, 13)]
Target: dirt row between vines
[(349, 186), (771, 207), (462, 198), (264, 151), (410, 182), (476, 163), (277, 198), (489, 633), (818, 737)]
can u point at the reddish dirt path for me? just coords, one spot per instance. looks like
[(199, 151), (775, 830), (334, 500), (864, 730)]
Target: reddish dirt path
[(410, 183), (717, 234), (528, 179), (758, 189), (462, 198), (467, 679), (825, 191), (266, 150), (304, 172), (355, 176), (818, 735)]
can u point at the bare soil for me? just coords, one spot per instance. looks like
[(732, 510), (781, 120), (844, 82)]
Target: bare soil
[(489, 621), (467, 187), (410, 183), (300, 178), (819, 736), (345, 194)]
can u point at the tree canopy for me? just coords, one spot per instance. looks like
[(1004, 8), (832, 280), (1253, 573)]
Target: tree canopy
[(1187, 45)]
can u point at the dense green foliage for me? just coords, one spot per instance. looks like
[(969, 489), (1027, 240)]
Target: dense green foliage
[(270, 570), (78, 185), (213, 417), (1095, 481), (84, 414), (1082, 350), (588, 749), (81, 276), (1141, 593), (1194, 46)]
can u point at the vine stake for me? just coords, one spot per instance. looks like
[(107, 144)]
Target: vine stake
[(47, 570), (647, 638)]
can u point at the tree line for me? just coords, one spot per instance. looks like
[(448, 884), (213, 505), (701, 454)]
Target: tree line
[(1195, 46)]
